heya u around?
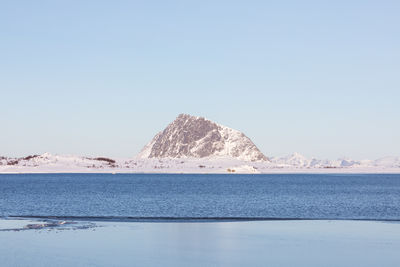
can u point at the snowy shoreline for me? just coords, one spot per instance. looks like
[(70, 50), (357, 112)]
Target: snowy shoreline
[(220, 171), (206, 173), (296, 163)]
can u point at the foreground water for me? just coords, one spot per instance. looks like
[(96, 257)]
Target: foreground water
[(267, 243), (316, 196)]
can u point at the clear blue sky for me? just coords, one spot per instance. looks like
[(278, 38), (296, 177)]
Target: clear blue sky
[(103, 77)]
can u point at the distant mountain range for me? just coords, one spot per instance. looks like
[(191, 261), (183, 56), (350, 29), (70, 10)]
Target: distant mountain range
[(196, 145), (299, 161)]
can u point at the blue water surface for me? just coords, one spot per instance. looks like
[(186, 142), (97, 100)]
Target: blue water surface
[(316, 196)]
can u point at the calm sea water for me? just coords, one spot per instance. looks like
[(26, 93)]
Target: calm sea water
[(318, 196)]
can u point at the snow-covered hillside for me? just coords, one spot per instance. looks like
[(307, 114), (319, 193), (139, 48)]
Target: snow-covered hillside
[(56, 163), (295, 163), (196, 137)]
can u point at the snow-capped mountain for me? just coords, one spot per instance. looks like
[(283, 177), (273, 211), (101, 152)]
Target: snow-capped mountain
[(387, 162), (299, 161), (196, 137)]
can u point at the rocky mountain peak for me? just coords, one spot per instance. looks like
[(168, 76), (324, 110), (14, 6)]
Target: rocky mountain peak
[(196, 137)]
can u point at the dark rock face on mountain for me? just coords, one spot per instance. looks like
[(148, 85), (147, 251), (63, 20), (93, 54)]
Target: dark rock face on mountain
[(196, 137)]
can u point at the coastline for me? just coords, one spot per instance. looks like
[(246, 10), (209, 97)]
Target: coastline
[(221, 171), (296, 163)]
